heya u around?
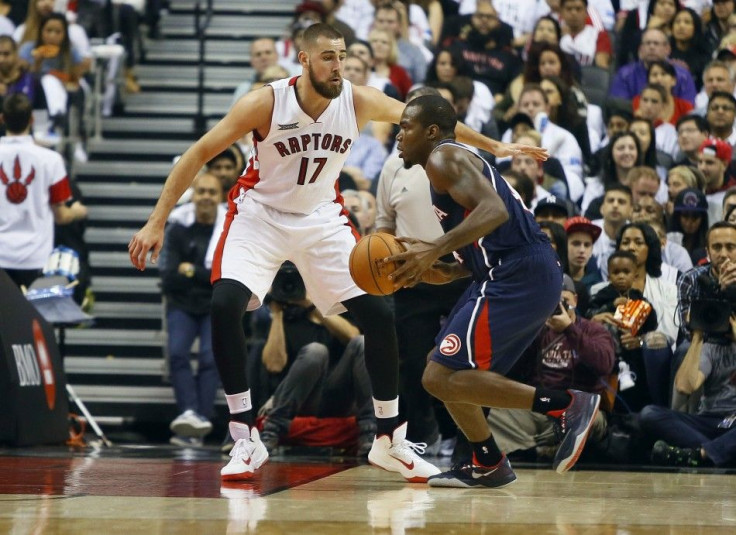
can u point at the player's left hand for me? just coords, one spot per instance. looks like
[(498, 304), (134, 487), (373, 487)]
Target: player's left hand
[(510, 149), (418, 258)]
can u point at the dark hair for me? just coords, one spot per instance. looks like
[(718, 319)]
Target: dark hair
[(649, 156), (321, 29), (722, 94), (17, 112), (730, 192), (365, 44), (656, 87), (524, 185), (531, 67), (421, 91), (621, 254), (567, 115), (232, 153), (608, 170), (559, 237), (617, 186), (433, 109), (698, 40), (663, 64), (717, 225), (555, 23), (700, 122), (563, 2), (462, 67), (65, 49), (654, 247)]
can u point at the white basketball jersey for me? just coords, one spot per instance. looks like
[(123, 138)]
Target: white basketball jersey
[(295, 167)]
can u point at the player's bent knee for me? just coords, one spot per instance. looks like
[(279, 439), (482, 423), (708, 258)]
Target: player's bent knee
[(655, 340), (434, 379), (370, 312), (229, 297)]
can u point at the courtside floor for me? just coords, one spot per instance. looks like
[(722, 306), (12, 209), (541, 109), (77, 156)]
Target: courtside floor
[(161, 490)]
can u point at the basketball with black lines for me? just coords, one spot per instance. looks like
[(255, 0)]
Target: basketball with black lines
[(366, 268)]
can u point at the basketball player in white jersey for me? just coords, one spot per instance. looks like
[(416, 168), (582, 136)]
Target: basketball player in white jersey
[(287, 207)]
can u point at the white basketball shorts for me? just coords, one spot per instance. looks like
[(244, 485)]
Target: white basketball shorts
[(261, 238)]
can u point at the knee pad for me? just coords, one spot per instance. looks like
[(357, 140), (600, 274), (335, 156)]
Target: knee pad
[(229, 297)]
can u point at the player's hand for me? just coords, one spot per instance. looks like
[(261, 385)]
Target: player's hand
[(149, 238), (511, 149), (419, 257)]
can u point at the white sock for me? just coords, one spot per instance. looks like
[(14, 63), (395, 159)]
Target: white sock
[(238, 403), (386, 409)]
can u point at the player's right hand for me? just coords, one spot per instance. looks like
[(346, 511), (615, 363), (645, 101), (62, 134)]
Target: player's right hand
[(149, 238)]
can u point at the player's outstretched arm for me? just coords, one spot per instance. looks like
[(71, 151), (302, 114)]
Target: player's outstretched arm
[(373, 105), (251, 112), (465, 134)]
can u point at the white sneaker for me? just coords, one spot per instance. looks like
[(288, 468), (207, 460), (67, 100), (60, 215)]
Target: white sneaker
[(190, 424), (396, 454), (248, 454)]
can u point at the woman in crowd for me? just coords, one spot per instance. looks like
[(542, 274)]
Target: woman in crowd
[(649, 143), (58, 66), (622, 154), (689, 44), (544, 59), (563, 111), (662, 73), (447, 64), (385, 62)]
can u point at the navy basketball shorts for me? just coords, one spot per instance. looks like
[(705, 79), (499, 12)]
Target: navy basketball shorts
[(497, 318)]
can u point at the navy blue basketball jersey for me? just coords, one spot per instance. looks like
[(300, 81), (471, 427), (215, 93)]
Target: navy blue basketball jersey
[(519, 231)]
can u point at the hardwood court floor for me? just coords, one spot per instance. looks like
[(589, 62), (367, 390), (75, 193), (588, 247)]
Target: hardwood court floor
[(161, 490)]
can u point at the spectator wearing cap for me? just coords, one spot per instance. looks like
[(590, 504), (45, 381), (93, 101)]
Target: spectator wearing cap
[(714, 161), (716, 77), (720, 114), (690, 220), (569, 352), (581, 235), (552, 209), (616, 210)]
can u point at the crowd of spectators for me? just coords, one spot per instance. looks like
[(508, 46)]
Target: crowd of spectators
[(635, 104)]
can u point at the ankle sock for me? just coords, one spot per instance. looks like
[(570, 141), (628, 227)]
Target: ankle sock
[(486, 453), (551, 402)]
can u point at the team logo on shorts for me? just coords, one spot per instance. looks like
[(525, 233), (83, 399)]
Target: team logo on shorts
[(450, 345)]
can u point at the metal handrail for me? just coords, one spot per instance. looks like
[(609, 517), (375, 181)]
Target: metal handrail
[(200, 30)]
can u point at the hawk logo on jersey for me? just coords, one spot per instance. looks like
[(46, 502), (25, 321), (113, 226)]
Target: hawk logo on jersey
[(289, 126), (450, 345), (439, 213), (17, 191)]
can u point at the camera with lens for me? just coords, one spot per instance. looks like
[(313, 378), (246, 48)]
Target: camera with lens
[(710, 313), (288, 286)]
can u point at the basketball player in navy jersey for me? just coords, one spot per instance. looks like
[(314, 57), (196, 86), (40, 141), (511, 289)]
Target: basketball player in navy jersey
[(286, 207), (517, 280)]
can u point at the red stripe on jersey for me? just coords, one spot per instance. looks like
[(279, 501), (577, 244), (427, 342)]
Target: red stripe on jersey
[(339, 200), (482, 339), (293, 80), (245, 182), (60, 192)]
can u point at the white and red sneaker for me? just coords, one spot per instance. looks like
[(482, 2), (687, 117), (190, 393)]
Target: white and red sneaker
[(248, 454), (396, 454)]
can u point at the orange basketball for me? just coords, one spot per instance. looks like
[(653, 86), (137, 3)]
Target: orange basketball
[(364, 263)]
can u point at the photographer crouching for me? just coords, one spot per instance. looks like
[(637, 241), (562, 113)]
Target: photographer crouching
[(321, 361), (708, 310)]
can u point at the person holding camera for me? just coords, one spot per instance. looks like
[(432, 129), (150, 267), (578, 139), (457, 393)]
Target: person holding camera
[(570, 352), (706, 294), (321, 363)]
